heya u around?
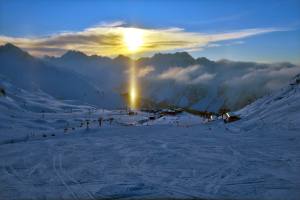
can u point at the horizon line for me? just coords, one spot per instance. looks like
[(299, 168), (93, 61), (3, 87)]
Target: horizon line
[(141, 57)]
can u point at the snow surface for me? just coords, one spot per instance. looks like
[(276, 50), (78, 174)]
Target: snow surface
[(47, 152)]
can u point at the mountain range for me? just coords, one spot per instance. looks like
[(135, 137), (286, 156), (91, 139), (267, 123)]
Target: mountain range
[(166, 79)]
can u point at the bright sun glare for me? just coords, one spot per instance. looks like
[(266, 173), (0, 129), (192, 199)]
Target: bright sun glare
[(133, 87), (133, 39)]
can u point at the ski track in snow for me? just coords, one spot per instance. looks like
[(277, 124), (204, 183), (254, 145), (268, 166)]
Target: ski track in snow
[(136, 164), (61, 178)]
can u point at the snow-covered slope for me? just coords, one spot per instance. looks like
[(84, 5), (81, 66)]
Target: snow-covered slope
[(32, 74), (107, 74), (53, 155), (278, 110), (26, 114)]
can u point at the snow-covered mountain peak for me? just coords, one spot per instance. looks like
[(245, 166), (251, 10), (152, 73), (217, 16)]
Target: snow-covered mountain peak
[(10, 49), (73, 54)]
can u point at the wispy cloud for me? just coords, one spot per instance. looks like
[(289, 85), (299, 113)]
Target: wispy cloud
[(203, 78), (186, 75), (112, 23), (231, 43), (144, 71), (107, 39)]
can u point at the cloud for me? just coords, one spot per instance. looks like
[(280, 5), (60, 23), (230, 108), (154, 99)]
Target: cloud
[(257, 80), (269, 78), (213, 45), (232, 84), (203, 78), (112, 24), (231, 43), (145, 71), (186, 75), (237, 42), (107, 39), (179, 74)]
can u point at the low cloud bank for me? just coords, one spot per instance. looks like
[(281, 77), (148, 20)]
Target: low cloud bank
[(227, 83)]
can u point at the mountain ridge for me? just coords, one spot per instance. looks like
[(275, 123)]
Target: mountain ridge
[(33, 74), (174, 78)]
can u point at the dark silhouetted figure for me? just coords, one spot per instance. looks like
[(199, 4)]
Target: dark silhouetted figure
[(100, 119), (87, 124), (111, 120), (2, 92)]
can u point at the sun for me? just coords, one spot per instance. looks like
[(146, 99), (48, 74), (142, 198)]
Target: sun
[(133, 39)]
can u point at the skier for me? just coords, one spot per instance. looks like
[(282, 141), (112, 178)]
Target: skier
[(2, 92), (87, 124), (100, 119), (111, 120)]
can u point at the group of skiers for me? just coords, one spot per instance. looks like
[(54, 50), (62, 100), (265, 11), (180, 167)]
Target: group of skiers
[(101, 120), (87, 122)]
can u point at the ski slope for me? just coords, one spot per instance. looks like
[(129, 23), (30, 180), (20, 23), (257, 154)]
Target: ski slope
[(53, 155)]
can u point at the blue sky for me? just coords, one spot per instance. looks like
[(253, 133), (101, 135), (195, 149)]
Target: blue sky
[(30, 19)]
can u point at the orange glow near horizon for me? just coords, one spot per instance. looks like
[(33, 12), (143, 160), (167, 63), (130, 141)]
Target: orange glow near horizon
[(133, 90), (133, 40)]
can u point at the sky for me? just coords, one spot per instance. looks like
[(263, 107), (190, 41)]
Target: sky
[(264, 31)]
